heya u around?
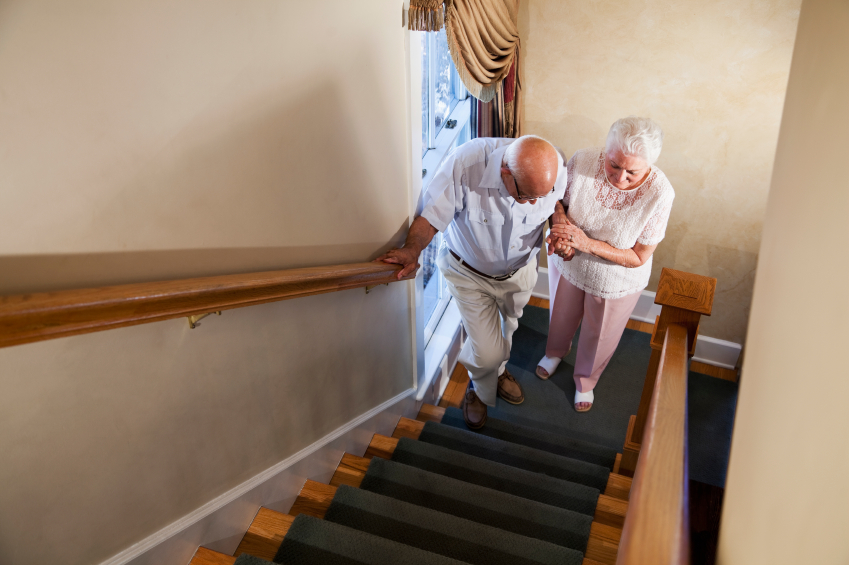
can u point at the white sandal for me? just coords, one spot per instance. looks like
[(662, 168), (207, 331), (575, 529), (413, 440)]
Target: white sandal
[(583, 397), (549, 365)]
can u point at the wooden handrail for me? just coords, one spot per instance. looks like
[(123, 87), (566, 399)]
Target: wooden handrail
[(656, 527), (685, 298), (34, 317)]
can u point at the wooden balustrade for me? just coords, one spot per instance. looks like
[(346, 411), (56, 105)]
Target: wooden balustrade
[(685, 297), (34, 317), (656, 527)]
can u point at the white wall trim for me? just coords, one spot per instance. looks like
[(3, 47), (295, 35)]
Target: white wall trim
[(709, 350), (221, 523)]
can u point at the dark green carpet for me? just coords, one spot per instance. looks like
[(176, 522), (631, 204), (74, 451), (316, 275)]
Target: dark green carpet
[(515, 455), (538, 437), (548, 404), (245, 559), (442, 533), (312, 541), (497, 476), (479, 504)]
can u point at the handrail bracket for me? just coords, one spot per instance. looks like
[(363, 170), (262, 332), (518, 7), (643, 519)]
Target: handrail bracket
[(194, 321)]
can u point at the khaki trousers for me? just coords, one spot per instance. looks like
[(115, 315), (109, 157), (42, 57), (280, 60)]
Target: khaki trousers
[(490, 311)]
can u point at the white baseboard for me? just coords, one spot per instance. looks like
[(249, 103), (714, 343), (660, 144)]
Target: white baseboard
[(541, 288), (220, 524), (709, 350)]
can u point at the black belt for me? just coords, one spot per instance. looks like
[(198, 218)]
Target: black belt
[(475, 271)]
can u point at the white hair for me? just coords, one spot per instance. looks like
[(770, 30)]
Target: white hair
[(638, 137)]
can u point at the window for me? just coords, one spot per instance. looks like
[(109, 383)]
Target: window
[(441, 87), (444, 98)]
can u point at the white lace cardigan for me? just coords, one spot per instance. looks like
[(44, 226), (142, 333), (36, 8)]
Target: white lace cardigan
[(618, 217)]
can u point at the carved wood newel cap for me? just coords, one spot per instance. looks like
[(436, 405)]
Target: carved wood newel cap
[(686, 291)]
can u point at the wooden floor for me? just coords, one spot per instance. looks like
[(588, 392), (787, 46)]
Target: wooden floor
[(697, 366)]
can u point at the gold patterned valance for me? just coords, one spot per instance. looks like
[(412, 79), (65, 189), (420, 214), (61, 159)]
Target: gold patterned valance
[(483, 38)]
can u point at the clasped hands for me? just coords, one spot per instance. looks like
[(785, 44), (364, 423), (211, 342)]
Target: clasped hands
[(565, 238)]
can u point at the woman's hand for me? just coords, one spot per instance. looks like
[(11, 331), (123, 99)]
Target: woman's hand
[(561, 248), (573, 236)]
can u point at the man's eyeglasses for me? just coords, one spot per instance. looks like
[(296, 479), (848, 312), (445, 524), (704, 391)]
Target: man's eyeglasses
[(521, 196)]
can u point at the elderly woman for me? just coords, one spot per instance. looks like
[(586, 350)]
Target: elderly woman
[(613, 216)]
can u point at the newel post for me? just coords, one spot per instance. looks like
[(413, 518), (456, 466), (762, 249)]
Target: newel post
[(684, 297)]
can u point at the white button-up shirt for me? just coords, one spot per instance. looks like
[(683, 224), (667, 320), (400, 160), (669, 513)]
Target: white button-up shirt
[(483, 224)]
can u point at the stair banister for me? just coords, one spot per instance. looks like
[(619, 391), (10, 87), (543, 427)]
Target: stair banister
[(28, 318), (656, 527), (685, 297)]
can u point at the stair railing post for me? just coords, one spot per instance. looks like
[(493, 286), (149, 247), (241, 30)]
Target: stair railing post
[(684, 298)]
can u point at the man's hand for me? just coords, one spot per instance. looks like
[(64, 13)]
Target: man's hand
[(419, 236), (560, 247), (404, 256)]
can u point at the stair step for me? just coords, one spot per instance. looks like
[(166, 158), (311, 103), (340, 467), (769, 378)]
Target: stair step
[(381, 446), (273, 526), (442, 533), (251, 560), (477, 503), (350, 471), (540, 439), (311, 541), (610, 511), (265, 534), (313, 500), (204, 556), (515, 455), (497, 476), (408, 428), (430, 413), (618, 486)]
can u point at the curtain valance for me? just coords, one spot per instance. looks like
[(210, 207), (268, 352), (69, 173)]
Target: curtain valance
[(483, 38)]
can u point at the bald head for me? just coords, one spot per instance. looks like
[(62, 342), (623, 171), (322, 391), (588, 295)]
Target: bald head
[(533, 162)]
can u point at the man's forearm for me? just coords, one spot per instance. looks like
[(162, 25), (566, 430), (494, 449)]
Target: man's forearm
[(420, 235), (559, 215)]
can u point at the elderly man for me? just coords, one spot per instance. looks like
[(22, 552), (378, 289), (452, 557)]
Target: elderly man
[(491, 197)]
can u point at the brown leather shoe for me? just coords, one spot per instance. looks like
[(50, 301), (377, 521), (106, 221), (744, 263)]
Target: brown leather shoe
[(474, 411), (509, 389)]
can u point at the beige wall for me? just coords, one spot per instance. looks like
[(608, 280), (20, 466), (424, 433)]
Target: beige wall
[(156, 140), (786, 495), (713, 74), (265, 135)]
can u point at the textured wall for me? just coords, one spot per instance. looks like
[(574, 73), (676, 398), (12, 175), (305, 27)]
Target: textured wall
[(713, 74), (173, 138), (785, 499)]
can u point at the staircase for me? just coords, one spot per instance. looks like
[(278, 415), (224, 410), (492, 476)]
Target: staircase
[(437, 493)]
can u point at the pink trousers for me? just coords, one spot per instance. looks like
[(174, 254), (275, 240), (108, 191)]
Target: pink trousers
[(603, 324)]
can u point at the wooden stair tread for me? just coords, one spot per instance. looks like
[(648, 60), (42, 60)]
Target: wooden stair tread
[(313, 500), (618, 486), (601, 550), (351, 471), (381, 446), (204, 556), (430, 413), (610, 511), (265, 534), (408, 428)]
